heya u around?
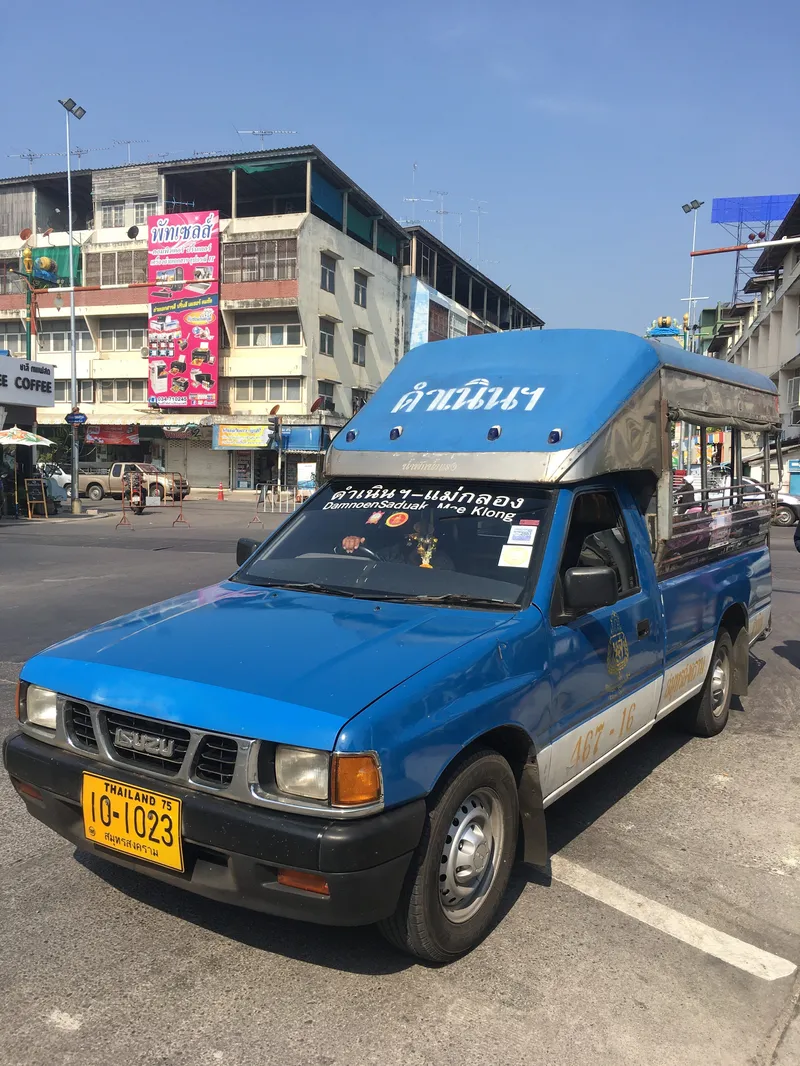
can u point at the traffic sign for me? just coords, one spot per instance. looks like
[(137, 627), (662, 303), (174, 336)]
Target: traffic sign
[(76, 419)]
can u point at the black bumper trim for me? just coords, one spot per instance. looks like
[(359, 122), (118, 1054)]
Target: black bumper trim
[(233, 850)]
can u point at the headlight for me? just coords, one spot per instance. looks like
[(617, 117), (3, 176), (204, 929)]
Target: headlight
[(302, 772), (40, 707)]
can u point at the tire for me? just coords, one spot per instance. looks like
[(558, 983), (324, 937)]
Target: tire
[(706, 714), (95, 492), (441, 915), (784, 516), (156, 490)]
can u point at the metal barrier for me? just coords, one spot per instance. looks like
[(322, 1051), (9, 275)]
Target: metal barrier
[(276, 499)]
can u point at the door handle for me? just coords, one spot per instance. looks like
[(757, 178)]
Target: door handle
[(643, 628)]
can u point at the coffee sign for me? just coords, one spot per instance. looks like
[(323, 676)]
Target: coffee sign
[(26, 383)]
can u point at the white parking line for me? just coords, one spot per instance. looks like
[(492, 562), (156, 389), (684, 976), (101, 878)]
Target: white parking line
[(737, 953)]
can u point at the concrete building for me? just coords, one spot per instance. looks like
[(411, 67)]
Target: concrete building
[(311, 301), (764, 334), (448, 297), (321, 293)]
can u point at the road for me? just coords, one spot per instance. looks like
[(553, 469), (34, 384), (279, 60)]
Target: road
[(602, 963)]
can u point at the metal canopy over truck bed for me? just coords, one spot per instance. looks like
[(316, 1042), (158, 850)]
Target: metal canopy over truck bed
[(544, 406)]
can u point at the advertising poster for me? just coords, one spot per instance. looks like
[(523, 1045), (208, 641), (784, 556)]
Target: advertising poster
[(183, 294)]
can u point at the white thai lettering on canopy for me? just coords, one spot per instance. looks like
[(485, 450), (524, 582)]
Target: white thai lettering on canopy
[(476, 395)]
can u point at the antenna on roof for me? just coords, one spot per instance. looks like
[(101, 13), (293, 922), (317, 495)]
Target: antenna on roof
[(479, 211), (441, 193), (128, 141), (30, 156), (261, 134), (81, 152)]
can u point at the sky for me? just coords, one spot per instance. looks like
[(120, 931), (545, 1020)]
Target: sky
[(582, 126)]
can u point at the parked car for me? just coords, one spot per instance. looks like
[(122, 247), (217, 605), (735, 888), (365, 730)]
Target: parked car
[(787, 510), (97, 482)]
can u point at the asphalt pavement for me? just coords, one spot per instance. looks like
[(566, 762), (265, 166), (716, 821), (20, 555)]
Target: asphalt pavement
[(676, 872)]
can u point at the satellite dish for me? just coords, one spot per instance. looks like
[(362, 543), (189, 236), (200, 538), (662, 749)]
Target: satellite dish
[(25, 234), (275, 409), (133, 232), (48, 231), (315, 406)]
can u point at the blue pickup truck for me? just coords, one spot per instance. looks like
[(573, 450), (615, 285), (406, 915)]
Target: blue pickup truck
[(501, 585)]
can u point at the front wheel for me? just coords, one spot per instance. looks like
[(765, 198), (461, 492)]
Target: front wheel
[(460, 872), (784, 516), (706, 714), (95, 492)]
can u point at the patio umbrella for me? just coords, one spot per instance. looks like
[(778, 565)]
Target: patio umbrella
[(13, 437)]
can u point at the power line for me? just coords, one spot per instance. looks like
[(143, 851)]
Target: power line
[(129, 141), (30, 156)]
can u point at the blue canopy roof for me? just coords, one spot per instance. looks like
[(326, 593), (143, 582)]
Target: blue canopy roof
[(546, 392)]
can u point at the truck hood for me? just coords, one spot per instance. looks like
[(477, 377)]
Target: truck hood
[(272, 664)]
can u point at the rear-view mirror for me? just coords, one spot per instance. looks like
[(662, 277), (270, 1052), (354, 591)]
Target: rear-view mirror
[(588, 587), (244, 549)]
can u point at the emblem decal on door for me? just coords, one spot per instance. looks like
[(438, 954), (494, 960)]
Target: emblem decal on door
[(617, 658)]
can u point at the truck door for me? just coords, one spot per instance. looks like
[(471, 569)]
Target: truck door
[(115, 478), (607, 665)]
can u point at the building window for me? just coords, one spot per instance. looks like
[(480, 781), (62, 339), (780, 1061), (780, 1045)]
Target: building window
[(259, 260), (59, 342), (106, 391), (327, 279), (259, 390), (325, 389), (142, 209), (122, 340), (359, 348), (139, 391), (87, 391), (116, 268), (358, 398), (360, 288), (12, 342), (62, 390), (437, 322), (458, 325), (112, 215), (122, 392), (263, 336), (326, 328)]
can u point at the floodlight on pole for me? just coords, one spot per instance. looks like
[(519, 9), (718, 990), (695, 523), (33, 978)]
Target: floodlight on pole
[(73, 109), (692, 208)]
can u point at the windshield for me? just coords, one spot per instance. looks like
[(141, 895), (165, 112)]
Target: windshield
[(423, 541)]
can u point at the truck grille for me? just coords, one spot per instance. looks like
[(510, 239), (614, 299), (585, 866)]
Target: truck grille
[(166, 763), (78, 722), (216, 761)]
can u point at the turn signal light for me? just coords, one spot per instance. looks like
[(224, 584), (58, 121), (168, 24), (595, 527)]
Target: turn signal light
[(355, 780), (17, 699), (306, 882), (25, 789)]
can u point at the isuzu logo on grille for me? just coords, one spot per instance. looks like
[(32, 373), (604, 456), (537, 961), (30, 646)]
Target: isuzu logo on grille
[(162, 747)]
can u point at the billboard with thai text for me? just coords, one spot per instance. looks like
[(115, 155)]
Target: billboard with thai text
[(183, 294)]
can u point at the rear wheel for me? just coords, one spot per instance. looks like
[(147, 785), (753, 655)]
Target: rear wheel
[(706, 714), (460, 872), (156, 490), (95, 492), (784, 516)]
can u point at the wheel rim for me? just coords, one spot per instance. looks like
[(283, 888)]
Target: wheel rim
[(784, 518), (470, 855), (720, 683)]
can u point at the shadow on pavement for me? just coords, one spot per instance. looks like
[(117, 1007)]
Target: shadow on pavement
[(790, 651), (358, 950)]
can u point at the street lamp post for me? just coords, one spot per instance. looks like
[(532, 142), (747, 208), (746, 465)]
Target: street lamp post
[(692, 208), (72, 108)]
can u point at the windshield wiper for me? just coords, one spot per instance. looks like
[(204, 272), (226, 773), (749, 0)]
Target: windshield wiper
[(462, 599), (300, 586)]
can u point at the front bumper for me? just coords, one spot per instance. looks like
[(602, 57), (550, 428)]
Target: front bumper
[(233, 851)]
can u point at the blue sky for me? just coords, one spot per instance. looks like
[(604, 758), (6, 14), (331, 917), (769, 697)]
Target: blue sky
[(584, 126)]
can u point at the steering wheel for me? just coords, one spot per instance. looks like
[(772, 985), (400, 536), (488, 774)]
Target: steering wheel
[(338, 550)]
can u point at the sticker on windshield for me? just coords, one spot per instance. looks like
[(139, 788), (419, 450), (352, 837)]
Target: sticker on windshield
[(522, 534), (515, 555), (398, 519), (375, 518)]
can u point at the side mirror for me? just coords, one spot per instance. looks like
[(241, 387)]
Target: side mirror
[(588, 587), (245, 548)]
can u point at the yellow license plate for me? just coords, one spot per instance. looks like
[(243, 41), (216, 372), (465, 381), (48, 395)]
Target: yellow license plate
[(135, 821)]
